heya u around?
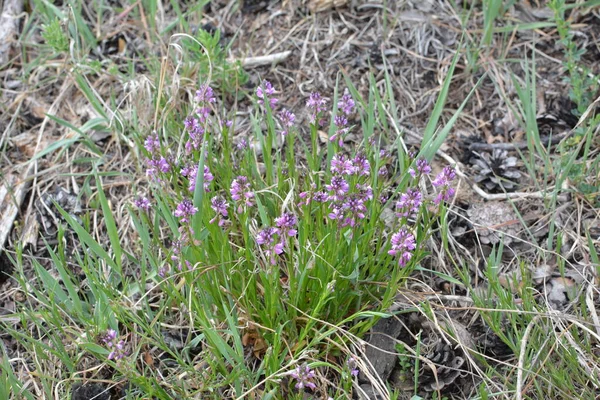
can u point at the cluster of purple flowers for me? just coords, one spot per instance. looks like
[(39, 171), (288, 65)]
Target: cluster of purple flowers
[(304, 376), (285, 118), (346, 105), (273, 240), (191, 172), (316, 105), (142, 203), (266, 92), (403, 244), (219, 205), (117, 348), (442, 182), (242, 193), (347, 201)]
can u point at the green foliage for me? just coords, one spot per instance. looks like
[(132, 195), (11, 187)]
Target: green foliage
[(211, 60), (55, 36), (584, 84)]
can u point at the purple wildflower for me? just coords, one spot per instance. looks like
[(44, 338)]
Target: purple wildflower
[(219, 205), (241, 192), (383, 171), (265, 92), (341, 165), (205, 94), (356, 206), (152, 144), (340, 122), (142, 203), (346, 103), (361, 165), (185, 210), (242, 144), (117, 349), (191, 172), (442, 182), (353, 365), (286, 119), (287, 224), (304, 375), (403, 243), (423, 168), (316, 105), (266, 239), (409, 203), (339, 187)]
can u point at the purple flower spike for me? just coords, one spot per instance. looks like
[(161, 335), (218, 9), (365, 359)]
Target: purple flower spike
[(346, 104), (219, 205), (117, 349), (286, 119), (185, 210), (287, 224), (316, 105), (442, 181), (265, 92), (142, 203), (409, 203), (205, 94), (403, 243), (266, 238), (304, 375), (341, 165), (152, 144), (339, 187), (241, 193), (362, 165)]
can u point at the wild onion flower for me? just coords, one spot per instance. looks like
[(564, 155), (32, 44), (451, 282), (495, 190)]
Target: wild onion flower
[(304, 375), (341, 165), (287, 224), (241, 193), (442, 181), (403, 244), (266, 238), (185, 210), (286, 119), (265, 91), (316, 104), (142, 203), (151, 144), (117, 348), (409, 203), (219, 205), (346, 103)]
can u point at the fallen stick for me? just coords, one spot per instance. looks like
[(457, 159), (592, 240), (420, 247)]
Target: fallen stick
[(274, 58), (9, 25), (12, 193)]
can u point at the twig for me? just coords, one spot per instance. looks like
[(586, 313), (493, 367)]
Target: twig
[(500, 196), (274, 58), (9, 25), (520, 368), (517, 145)]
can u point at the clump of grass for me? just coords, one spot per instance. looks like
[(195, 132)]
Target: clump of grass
[(239, 239)]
